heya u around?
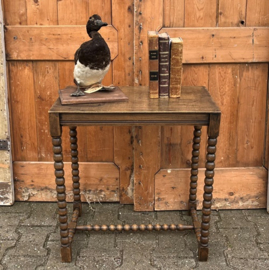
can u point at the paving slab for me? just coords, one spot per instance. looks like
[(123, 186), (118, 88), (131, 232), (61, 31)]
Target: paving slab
[(128, 216), (107, 259), (243, 263), (233, 219), (242, 243), (260, 219), (31, 241), (137, 249), (17, 207), (42, 214), (172, 251), (8, 225), (171, 217), (23, 262), (106, 213), (6, 244), (173, 262), (101, 252)]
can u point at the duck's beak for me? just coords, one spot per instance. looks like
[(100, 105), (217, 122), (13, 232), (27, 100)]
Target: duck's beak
[(100, 23)]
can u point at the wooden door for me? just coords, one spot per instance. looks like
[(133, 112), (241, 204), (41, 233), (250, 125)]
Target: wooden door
[(225, 49), (41, 38)]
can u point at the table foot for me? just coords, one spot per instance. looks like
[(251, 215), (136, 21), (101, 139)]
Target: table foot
[(66, 254), (202, 253)]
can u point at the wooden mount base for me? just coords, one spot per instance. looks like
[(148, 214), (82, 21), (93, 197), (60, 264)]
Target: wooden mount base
[(135, 227)]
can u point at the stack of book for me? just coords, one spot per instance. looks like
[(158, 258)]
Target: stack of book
[(165, 65)]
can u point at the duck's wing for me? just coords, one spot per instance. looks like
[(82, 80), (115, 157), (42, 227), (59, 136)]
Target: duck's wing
[(80, 53), (93, 53), (76, 56)]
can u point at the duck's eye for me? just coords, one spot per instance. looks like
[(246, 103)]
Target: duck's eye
[(91, 18)]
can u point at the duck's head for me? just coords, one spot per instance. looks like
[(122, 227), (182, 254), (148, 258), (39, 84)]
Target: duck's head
[(94, 24)]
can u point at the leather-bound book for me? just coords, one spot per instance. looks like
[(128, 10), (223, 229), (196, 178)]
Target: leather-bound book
[(153, 64), (176, 67), (164, 59)]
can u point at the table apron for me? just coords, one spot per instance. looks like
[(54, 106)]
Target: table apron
[(134, 119)]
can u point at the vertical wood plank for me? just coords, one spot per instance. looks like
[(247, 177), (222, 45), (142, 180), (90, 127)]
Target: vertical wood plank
[(15, 13), (176, 146), (123, 157), (46, 92), (123, 21), (232, 13), (66, 78), (224, 85), (73, 12), (177, 140), (241, 97), (266, 150), (200, 13), (195, 75), (23, 111), (148, 16), (103, 9), (41, 12), (251, 114), (174, 11), (257, 13), (147, 153), (100, 143), (108, 79)]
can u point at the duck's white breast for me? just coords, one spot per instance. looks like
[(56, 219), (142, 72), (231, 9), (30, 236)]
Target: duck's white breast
[(86, 76)]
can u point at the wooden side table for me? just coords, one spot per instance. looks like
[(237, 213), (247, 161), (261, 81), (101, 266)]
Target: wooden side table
[(195, 107)]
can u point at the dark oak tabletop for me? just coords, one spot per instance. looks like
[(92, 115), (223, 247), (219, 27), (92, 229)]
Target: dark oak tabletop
[(194, 99)]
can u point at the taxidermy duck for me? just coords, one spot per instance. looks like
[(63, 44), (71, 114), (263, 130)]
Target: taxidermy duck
[(92, 60)]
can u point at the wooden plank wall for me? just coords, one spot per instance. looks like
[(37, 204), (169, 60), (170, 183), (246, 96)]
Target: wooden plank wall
[(226, 50)]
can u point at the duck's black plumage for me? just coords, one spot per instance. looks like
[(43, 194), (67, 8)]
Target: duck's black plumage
[(92, 59), (94, 53)]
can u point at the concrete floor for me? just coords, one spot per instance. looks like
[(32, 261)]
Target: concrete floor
[(29, 239)]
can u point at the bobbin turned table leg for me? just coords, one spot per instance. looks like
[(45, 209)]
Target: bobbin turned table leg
[(208, 189), (194, 167), (61, 196), (75, 171)]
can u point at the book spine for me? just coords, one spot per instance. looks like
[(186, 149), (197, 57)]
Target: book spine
[(176, 69), (164, 59), (153, 65)]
